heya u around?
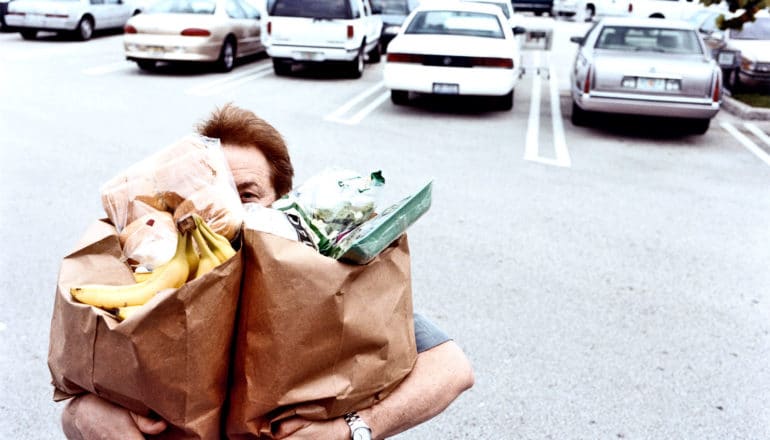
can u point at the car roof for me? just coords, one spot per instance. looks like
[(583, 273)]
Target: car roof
[(457, 5), (647, 22)]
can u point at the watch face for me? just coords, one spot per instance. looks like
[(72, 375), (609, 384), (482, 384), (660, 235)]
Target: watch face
[(362, 434)]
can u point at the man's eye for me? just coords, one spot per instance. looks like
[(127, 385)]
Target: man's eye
[(249, 197)]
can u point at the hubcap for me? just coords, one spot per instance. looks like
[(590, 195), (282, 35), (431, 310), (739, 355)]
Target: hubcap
[(86, 29), (228, 55)]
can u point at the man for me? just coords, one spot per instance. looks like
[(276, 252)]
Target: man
[(259, 161)]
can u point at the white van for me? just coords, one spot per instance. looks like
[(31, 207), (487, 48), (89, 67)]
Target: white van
[(674, 9)]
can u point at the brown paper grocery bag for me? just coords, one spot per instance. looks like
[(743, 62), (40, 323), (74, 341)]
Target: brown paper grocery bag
[(317, 337), (171, 359)]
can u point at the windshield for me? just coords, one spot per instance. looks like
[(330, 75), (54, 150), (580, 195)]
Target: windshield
[(473, 24), (183, 6), (642, 39), (758, 30), (327, 9)]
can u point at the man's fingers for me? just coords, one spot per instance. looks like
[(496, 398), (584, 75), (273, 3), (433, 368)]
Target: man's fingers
[(148, 425)]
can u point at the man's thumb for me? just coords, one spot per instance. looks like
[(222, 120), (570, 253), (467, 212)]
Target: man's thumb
[(148, 425)]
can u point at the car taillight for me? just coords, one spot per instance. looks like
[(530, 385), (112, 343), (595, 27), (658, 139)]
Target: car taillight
[(351, 32), (630, 8), (404, 58), (269, 27), (587, 84), (196, 32), (129, 29), (505, 63), (717, 89)]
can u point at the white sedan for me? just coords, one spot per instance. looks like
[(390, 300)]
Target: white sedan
[(78, 17), (454, 48)]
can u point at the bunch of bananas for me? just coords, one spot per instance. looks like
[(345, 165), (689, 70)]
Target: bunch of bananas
[(199, 250)]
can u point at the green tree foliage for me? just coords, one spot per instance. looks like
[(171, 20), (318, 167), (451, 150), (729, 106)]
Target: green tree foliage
[(747, 7)]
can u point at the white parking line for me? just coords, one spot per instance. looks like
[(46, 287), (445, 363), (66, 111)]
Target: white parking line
[(337, 115), (230, 81), (532, 146), (109, 68), (757, 132), (748, 143)]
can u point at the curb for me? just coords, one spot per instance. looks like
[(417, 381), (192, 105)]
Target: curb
[(744, 111)]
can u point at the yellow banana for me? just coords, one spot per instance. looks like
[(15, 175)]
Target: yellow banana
[(192, 257), (141, 276), (218, 243), (124, 312), (207, 261), (170, 275)]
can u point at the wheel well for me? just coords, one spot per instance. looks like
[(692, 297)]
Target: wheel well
[(657, 15), (88, 17), (591, 7), (137, 12), (231, 38)]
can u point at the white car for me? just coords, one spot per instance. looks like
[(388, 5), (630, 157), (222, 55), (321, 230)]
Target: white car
[(588, 9), (78, 17), (454, 48)]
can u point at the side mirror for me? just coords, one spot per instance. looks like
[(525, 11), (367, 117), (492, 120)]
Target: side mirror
[(518, 30), (578, 40)]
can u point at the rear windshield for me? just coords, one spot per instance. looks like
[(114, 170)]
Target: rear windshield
[(327, 9), (474, 24), (642, 39), (183, 6), (757, 30)]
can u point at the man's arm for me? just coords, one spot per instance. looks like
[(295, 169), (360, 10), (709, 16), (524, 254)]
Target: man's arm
[(88, 417), (439, 376)]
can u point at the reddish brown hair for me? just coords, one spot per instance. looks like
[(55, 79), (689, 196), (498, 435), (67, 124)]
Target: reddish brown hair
[(235, 126)]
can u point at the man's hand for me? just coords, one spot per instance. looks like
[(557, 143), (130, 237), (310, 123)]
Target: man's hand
[(89, 417), (297, 428)]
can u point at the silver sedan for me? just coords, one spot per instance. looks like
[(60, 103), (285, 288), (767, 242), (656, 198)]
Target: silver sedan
[(649, 67)]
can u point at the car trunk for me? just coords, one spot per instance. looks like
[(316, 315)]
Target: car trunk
[(610, 68), (296, 31)]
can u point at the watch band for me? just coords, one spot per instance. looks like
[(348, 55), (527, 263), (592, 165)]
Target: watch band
[(359, 430)]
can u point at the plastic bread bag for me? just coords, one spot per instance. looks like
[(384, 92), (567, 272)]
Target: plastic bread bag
[(190, 175), (365, 242), (332, 203), (150, 240)]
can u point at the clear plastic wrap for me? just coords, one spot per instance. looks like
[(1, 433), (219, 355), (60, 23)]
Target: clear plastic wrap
[(191, 174)]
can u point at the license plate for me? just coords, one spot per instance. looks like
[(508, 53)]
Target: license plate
[(726, 58), (655, 84), (308, 56), (155, 49), (446, 89)]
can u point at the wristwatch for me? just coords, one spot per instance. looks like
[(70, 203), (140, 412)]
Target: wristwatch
[(359, 430)]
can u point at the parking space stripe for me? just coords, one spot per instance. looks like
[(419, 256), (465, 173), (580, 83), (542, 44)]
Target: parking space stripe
[(230, 81), (533, 123), (757, 132), (743, 139), (560, 143), (337, 115)]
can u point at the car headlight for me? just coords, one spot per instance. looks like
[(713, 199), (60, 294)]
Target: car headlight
[(747, 64)]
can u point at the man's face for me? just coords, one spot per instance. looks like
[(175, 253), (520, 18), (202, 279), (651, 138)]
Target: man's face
[(252, 174)]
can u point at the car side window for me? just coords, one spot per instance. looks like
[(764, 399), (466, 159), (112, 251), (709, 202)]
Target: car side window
[(251, 11), (234, 10)]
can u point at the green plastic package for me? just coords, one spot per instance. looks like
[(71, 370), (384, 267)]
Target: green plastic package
[(369, 239)]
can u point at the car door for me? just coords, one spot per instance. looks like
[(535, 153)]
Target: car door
[(245, 26), (116, 13)]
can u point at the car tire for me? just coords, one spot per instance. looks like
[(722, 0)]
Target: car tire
[(146, 65), (356, 67), (28, 34), (376, 54), (579, 117), (281, 67), (700, 126), (735, 81), (505, 102), (226, 60), (85, 29), (399, 97)]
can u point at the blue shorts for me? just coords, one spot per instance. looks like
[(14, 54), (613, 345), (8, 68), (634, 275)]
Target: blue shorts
[(427, 334)]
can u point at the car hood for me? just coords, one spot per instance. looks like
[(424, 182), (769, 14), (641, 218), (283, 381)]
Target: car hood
[(756, 50), (453, 45), (166, 23), (51, 7)]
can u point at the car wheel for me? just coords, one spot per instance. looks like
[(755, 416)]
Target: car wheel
[(147, 65), (227, 56), (579, 116), (376, 54), (399, 97), (85, 29), (735, 81), (505, 102), (281, 67), (700, 126), (356, 67), (29, 34)]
